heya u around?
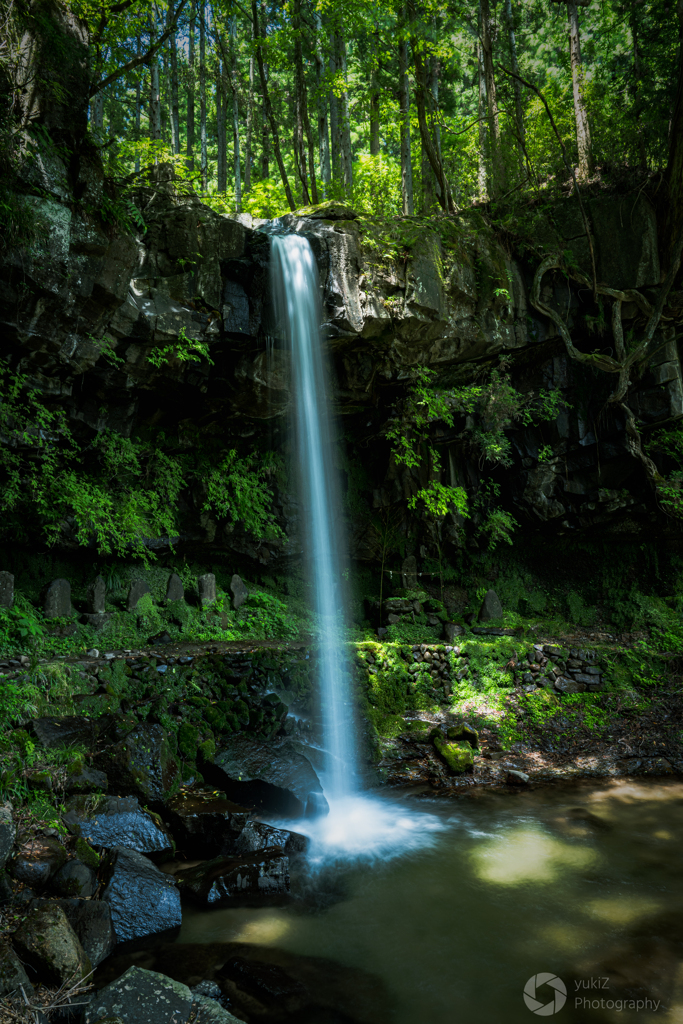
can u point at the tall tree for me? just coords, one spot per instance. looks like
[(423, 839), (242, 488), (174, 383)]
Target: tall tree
[(374, 93), (404, 115), (335, 119), (482, 189), (259, 39), (250, 120), (323, 127), (302, 103), (221, 132), (175, 108), (344, 112), (516, 85), (154, 85), (234, 86), (673, 206), (203, 164), (498, 165), (583, 135), (189, 124)]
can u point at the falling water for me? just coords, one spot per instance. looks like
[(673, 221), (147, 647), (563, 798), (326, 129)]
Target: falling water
[(296, 291)]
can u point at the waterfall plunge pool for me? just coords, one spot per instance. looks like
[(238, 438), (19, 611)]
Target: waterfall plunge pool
[(456, 905)]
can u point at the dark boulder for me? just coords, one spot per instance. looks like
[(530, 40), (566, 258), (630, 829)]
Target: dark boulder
[(37, 859), (117, 821), (142, 899), (74, 879), (204, 825), (48, 944), (316, 806), (237, 879), (276, 777), (13, 977), (69, 731), (86, 780), (257, 837), (91, 921), (144, 764), (144, 997)]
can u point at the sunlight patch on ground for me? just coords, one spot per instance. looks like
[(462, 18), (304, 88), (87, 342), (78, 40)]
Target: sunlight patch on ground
[(622, 910)]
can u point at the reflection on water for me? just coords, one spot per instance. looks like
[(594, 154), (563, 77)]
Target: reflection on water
[(584, 883)]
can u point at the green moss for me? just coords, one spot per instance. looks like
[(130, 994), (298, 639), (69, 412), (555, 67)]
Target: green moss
[(207, 750), (179, 613), (188, 738), (86, 853), (457, 754)]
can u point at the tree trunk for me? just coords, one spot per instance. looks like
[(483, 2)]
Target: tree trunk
[(335, 121), (299, 103), (234, 83), (481, 114), (583, 135), (421, 91), (404, 115), (174, 111), (519, 112), (498, 166), (635, 91), (250, 123), (673, 206), (189, 141), (138, 103), (269, 107), (221, 158), (323, 130), (345, 115), (374, 95), (204, 166), (97, 111), (154, 94)]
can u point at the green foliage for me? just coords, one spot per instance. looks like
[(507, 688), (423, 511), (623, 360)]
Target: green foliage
[(185, 350)]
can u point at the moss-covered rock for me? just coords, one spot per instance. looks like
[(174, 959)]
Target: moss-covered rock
[(49, 944), (457, 754)]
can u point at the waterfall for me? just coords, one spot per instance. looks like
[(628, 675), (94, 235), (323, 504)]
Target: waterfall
[(297, 306)]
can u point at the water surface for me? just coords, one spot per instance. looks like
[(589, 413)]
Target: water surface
[(456, 905)]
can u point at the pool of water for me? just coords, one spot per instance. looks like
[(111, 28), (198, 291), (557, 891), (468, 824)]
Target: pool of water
[(457, 905)]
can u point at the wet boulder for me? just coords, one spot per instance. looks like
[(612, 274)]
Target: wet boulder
[(117, 821), (85, 780), (137, 590), (239, 591), (142, 899), (175, 590), (91, 921), (145, 997), (274, 776), (49, 945), (37, 859), (257, 837), (237, 879), (205, 825), (144, 764), (74, 879)]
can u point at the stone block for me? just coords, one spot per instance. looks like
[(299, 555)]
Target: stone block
[(491, 608), (239, 592), (409, 573), (57, 603), (137, 590), (74, 879), (174, 588), (99, 621), (231, 879), (145, 997), (96, 595), (144, 764), (6, 589), (206, 586), (13, 977), (91, 921), (64, 732), (7, 833), (38, 858)]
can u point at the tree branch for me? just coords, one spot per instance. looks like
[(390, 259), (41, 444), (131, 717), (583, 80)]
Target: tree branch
[(143, 57)]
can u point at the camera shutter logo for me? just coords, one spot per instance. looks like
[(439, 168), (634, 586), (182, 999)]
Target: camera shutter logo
[(534, 1004)]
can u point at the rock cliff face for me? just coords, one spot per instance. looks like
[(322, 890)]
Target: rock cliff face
[(83, 310)]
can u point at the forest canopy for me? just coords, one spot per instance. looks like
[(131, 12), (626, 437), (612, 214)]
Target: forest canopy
[(398, 108)]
